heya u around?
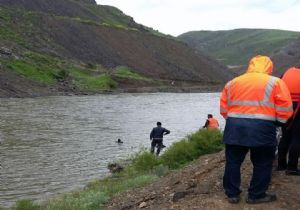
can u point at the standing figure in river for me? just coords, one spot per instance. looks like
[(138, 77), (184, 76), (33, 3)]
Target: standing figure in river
[(156, 136), (253, 104)]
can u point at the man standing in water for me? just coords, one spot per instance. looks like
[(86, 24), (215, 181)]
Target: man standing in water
[(156, 136)]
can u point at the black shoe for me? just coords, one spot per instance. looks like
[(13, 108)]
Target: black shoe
[(268, 198), (233, 200), (293, 172)]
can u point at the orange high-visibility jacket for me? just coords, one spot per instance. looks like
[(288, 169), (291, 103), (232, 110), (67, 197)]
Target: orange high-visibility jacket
[(292, 79), (212, 123), (256, 94)]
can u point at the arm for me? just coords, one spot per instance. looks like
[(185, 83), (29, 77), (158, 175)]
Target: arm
[(151, 134), (283, 102), (224, 101), (166, 132), (206, 124)]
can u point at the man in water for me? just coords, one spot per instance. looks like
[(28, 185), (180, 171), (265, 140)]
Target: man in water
[(156, 136)]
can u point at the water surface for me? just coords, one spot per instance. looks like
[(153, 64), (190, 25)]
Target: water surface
[(52, 145)]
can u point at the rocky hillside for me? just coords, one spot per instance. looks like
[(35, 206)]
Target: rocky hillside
[(199, 186), (287, 56), (235, 47), (79, 46)]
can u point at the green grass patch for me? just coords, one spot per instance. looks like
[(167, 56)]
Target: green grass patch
[(237, 47), (180, 153), (126, 72), (31, 71), (84, 81)]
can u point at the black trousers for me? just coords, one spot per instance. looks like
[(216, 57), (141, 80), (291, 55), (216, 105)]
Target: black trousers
[(262, 160), (156, 143), (290, 144)]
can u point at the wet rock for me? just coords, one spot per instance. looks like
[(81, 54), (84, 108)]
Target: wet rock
[(142, 205), (114, 168)]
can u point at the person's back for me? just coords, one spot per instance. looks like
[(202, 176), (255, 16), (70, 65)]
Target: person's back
[(156, 136), (252, 105), (211, 122), (289, 142), (158, 132)]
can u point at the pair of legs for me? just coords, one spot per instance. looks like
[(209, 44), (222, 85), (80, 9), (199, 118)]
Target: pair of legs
[(156, 143), (262, 160), (290, 144)]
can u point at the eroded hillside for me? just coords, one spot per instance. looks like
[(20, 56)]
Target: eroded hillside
[(76, 45)]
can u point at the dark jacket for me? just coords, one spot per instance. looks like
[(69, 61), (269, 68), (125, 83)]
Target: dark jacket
[(249, 132), (158, 132)]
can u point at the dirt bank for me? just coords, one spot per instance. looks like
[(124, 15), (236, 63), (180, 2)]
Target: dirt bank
[(199, 186), (16, 86)]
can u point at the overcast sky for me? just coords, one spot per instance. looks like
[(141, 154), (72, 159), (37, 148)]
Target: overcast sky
[(176, 16)]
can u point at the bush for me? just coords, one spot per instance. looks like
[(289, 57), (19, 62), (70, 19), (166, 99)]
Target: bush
[(144, 161), (25, 205), (202, 142)]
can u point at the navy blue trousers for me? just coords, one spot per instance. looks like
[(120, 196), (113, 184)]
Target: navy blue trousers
[(262, 160)]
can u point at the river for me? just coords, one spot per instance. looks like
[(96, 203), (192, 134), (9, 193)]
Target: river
[(51, 145)]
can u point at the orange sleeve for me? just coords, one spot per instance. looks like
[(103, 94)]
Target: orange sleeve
[(283, 102), (224, 102)]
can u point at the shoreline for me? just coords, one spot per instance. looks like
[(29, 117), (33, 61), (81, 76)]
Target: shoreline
[(148, 89)]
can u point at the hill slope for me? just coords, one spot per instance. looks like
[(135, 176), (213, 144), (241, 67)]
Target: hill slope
[(76, 45), (236, 47), (199, 186)]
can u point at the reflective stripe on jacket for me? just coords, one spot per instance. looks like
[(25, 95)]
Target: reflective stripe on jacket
[(292, 79), (213, 123), (256, 94)]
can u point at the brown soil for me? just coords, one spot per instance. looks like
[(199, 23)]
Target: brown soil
[(199, 186)]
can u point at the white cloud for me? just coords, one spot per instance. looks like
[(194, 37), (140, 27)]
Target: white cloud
[(176, 17)]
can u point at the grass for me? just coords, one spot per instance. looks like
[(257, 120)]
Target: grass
[(49, 70), (236, 47), (144, 168), (126, 72), (83, 80)]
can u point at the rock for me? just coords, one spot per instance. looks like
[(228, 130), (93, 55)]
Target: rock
[(178, 195), (142, 205), (115, 168), (192, 183)]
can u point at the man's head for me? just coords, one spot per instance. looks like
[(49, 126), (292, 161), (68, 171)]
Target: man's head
[(158, 124), (260, 64), (209, 116)]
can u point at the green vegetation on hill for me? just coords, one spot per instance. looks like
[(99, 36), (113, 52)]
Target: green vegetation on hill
[(144, 168), (236, 47), (51, 70)]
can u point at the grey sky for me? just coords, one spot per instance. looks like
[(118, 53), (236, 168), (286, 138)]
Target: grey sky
[(176, 17)]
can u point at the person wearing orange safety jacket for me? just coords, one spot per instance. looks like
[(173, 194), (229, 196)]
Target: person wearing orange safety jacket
[(211, 122), (253, 104), (290, 142)]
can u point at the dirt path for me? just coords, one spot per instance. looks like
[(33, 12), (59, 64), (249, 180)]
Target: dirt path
[(199, 186)]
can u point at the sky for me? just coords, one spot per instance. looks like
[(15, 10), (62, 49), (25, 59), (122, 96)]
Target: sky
[(175, 17)]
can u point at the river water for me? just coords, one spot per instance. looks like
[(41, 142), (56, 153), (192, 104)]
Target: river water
[(52, 145)]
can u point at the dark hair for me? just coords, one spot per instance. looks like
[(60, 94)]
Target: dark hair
[(158, 123), (209, 115)]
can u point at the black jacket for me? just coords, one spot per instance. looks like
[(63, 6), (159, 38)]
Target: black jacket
[(158, 133)]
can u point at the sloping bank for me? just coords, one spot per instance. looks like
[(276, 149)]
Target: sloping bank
[(144, 168)]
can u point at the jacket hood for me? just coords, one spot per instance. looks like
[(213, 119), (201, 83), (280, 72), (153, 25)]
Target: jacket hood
[(260, 64)]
